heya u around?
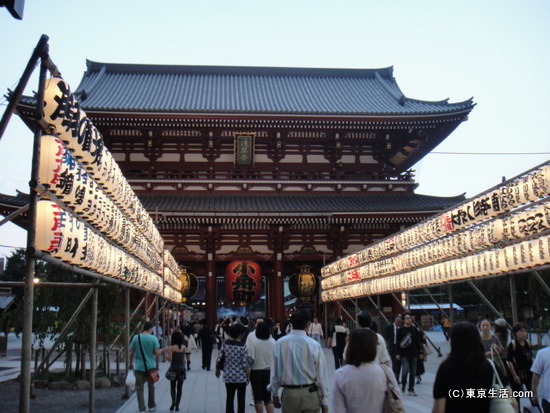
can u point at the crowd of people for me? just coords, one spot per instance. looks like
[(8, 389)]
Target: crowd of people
[(288, 368)]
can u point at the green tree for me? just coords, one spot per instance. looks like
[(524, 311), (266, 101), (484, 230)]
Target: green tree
[(54, 306)]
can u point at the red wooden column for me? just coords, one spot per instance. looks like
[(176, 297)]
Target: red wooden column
[(276, 290), (211, 291)]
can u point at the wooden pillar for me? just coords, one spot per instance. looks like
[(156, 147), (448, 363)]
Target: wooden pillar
[(127, 328), (513, 299), (276, 290), (93, 348), (211, 291), (337, 310), (451, 305), (149, 308)]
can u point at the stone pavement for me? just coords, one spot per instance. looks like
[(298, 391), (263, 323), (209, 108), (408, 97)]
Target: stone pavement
[(204, 393)]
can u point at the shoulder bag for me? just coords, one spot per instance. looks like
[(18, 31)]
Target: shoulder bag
[(152, 374), (499, 404), (392, 399)]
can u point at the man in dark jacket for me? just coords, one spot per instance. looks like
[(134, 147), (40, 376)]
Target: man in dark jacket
[(208, 339), (409, 349), (391, 343)]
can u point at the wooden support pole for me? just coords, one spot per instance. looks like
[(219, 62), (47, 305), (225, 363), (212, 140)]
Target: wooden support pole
[(65, 330), (486, 301), (378, 308), (15, 214), (436, 303), (451, 305), (40, 53), (93, 344), (513, 299), (541, 282), (48, 284), (344, 310), (126, 347), (437, 349), (127, 321), (28, 299)]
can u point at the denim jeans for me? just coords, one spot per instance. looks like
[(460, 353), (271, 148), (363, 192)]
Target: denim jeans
[(141, 379), (316, 337), (408, 367)]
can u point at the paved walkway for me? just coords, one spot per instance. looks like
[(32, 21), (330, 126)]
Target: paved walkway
[(204, 393)]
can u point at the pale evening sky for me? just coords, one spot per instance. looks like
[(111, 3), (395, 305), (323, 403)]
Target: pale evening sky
[(494, 50)]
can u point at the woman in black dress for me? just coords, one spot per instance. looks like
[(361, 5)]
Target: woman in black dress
[(176, 357)]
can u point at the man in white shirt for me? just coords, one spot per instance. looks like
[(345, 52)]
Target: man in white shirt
[(540, 385), (364, 319), (315, 330), (299, 367)]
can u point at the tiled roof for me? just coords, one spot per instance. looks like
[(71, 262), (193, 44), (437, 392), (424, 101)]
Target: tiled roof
[(18, 200), (250, 90), (296, 203), (5, 301)]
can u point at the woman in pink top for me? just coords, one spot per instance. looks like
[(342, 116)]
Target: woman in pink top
[(361, 382)]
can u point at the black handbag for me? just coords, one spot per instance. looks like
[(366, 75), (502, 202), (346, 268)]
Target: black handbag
[(171, 374), (220, 363)]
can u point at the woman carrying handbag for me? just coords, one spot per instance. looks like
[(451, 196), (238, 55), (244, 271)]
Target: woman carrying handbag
[(176, 372)]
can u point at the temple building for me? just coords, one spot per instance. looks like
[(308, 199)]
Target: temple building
[(266, 169)]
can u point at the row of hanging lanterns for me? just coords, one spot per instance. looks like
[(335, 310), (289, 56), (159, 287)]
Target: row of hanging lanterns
[(517, 192), (525, 223), (70, 123), (78, 169), (64, 177), (520, 256), (65, 237), (171, 270)]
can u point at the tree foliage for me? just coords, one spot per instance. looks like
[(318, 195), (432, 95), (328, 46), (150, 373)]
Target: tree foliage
[(54, 306)]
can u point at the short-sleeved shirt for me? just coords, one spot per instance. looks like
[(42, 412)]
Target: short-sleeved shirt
[(261, 352), (452, 376), (236, 359), (541, 366), (487, 343), (149, 343), (521, 357)]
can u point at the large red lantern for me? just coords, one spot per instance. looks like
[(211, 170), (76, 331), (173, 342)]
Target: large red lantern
[(189, 284), (303, 285), (243, 282)]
